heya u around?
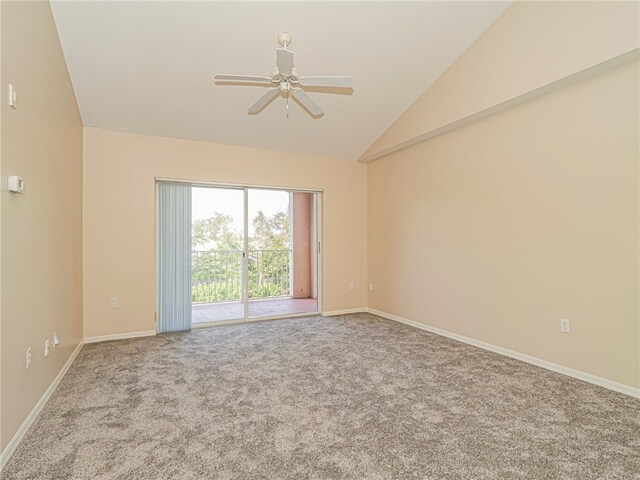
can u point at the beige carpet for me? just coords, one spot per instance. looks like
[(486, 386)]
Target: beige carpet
[(353, 397)]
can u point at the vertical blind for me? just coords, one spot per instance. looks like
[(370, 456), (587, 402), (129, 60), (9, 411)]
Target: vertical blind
[(174, 257)]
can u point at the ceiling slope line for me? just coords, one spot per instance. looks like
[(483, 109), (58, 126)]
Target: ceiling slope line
[(571, 79)]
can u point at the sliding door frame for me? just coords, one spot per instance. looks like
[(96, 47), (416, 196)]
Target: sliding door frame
[(205, 183), (319, 194)]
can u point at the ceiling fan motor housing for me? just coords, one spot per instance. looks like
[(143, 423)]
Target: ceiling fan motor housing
[(275, 75)]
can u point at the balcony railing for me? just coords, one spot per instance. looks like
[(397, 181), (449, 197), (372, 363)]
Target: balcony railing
[(216, 275)]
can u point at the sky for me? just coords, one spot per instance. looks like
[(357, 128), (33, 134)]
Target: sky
[(208, 200)]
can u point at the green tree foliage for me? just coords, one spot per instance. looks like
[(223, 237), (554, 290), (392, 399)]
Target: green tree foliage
[(271, 233), (216, 268), (217, 230)]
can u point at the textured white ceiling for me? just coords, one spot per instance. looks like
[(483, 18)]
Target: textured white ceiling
[(147, 67)]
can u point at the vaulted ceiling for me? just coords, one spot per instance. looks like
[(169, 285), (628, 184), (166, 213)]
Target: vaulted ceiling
[(147, 67)]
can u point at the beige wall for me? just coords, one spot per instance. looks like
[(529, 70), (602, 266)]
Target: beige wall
[(501, 228), (530, 45), (119, 216), (2, 443), (41, 229)]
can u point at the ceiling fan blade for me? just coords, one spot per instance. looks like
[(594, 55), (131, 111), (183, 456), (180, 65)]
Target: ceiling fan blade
[(263, 101), (337, 82), (243, 78), (284, 61), (307, 102)]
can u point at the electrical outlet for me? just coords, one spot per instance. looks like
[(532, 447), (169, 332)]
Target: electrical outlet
[(565, 326), (370, 286), (28, 358), (46, 347), (352, 285), (56, 339), (114, 302)]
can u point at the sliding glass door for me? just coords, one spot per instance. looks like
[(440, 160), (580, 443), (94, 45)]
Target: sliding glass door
[(254, 254), (217, 254), (282, 253)]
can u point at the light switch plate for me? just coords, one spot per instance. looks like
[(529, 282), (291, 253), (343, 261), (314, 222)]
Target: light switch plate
[(15, 184), (13, 97)]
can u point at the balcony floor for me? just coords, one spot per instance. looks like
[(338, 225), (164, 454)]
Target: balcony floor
[(219, 312)]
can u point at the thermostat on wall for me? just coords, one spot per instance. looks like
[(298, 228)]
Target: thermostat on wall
[(16, 184)]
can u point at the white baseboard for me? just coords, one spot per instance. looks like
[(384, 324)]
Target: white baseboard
[(15, 441), (119, 336), (580, 375), (344, 312)]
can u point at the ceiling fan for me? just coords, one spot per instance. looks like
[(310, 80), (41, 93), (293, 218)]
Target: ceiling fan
[(287, 82)]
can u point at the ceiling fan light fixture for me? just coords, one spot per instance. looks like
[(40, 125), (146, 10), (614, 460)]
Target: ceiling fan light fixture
[(287, 82)]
